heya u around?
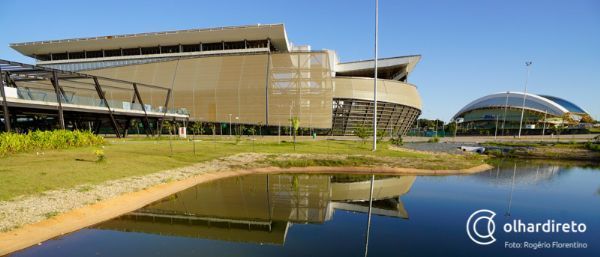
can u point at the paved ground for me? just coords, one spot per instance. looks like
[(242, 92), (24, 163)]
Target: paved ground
[(480, 139), (446, 147)]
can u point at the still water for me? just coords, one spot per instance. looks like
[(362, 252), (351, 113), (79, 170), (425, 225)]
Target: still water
[(328, 215)]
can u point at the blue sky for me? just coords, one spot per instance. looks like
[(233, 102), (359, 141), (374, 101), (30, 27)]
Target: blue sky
[(469, 48)]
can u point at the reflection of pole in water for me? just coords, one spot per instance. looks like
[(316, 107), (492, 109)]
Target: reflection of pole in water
[(369, 219), (268, 198), (498, 168), (497, 171), (512, 188)]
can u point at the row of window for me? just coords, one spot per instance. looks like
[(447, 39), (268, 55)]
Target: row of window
[(155, 50)]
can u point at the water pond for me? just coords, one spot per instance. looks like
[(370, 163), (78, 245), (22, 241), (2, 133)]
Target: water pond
[(337, 215)]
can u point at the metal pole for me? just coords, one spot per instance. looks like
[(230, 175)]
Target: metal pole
[(375, 79), (230, 124), (5, 103), (505, 109), (544, 129), (110, 114), (267, 87), (291, 118), (146, 122), (455, 129), (61, 118), (496, 131), (528, 64), (165, 112)]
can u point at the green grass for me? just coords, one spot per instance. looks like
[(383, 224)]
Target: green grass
[(34, 173), (349, 161)]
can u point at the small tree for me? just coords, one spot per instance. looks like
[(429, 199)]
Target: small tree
[(295, 126), (397, 141), (260, 125), (168, 126), (252, 130), (363, 132), (197, 128), (136, 124), (286, 130), (380, 135)]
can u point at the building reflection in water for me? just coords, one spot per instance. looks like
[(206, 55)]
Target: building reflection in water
[(261, 208), (509, 172)]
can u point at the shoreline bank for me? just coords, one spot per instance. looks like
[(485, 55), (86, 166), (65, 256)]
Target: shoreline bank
[(93, 213)]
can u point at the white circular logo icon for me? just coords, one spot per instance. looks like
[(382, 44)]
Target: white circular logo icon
[(481, 238)]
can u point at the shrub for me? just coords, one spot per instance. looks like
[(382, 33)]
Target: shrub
[(363, 132), (99, 155), (381, 134), (11, 143), (434, 139), (494, 152), (397, 141)]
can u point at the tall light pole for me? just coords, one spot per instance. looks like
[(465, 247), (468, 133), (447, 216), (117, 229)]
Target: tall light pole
[(375, 78), (496, 131), (237, 122), (544, 129), (528, 64), (505, 109)]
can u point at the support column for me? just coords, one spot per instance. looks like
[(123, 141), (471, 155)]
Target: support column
[(160, 121), (126, 129), (4, 101), (113, 122), (267, 88), (146, 122), (57, 91)]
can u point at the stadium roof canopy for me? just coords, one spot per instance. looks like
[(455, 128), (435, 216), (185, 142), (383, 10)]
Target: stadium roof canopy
[(275, 32), (541, 103), (395, 68)]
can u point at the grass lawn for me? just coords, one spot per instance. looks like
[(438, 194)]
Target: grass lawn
[(36, 172)]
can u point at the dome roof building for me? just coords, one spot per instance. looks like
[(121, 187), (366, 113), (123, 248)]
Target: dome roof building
[(504, 110)]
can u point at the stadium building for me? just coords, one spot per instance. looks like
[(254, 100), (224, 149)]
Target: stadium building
[(242, 75), (503, 110)]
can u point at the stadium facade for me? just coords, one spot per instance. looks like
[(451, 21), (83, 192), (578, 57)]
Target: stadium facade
[(504, 109), (242, 75)]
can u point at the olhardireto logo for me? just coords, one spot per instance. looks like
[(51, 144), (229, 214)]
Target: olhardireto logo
[(486, 237), (481, 228)]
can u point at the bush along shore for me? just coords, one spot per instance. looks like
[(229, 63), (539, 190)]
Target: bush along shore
[(11, 143), (582, 151)]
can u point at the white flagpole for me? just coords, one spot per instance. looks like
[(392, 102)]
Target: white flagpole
[(375, 78)]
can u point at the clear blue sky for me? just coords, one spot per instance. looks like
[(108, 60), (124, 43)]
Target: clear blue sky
[(469, 48)]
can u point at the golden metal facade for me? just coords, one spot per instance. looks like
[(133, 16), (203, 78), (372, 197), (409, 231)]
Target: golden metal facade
[(218, 88)]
